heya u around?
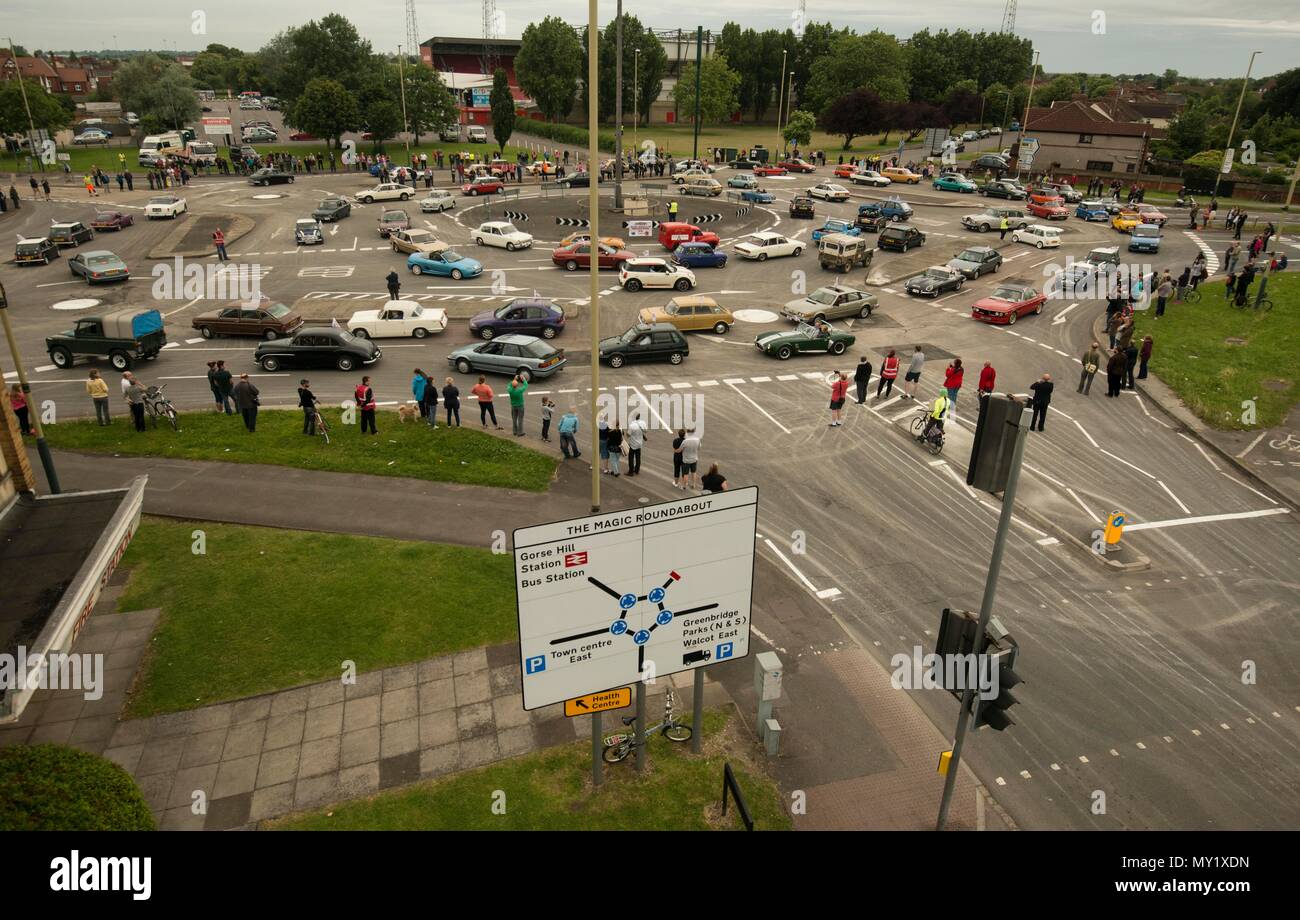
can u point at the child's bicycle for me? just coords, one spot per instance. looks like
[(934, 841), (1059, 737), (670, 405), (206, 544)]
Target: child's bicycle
[(620, 744)]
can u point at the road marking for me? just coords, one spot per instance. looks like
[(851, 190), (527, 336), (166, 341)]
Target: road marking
[(42, 368), (902, 415), (1271, 501), (1060, 317), (1252, 444), (678, 386), (793, 568), (186, 307), (1122, 460), (760, 379), (732, 381), (1186, 510), (193, 341), (652, 387), (756, 405), (787, 376), (706, 383), (1090, 440), (1208, 519), (1048, 541)]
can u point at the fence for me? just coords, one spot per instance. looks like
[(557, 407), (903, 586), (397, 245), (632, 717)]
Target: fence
[(729, 785)]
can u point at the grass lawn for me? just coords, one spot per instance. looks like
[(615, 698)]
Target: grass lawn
[(414, 450), (267, 609), (678, 139), (1213, 377), (551, 790)]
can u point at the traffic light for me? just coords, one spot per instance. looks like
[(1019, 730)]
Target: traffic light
[(995, 443), (993, 713), (957, 630)]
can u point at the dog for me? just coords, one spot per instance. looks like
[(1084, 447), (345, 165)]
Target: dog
[(407, 413)]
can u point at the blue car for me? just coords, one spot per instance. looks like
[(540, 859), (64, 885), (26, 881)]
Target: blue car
[(890, 209), (1092, 210), (445, 262), (757, 196), (836, 226), (699, 255), (1144, 238), (744, 180)]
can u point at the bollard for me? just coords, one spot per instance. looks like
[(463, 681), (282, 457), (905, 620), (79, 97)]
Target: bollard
[(772, 737)]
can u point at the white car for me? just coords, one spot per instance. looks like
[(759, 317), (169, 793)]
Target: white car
[(829, 191), (1038, 235), (386, 191), (540, 168), (767, 245), (397, 319), (437, 200), (164, 206), (501, 234), (870, 177), (635, 274), (687, 174)]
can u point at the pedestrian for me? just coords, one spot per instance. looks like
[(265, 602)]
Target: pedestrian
[(219, 241), (713, 481), (517, 390), (678, 441), (364, 396), (1115, 372), (1230, 257), (134, 391), (913, 373), (130, 181), (548, 409), (614, 441), (246, 401), (45, 188), (97, 390), (36, 188), (1126, 331), (1041, 400), (952, 379), (1183, 281), (691, 454), (307, 402), (451, 401), (1229, 285), (223, 381), (988, 376), (1144, 355), (839, 388), (1003, 227), (483, 393), (569, 435), (1130, 362), (888, 373), (18, 402), (1241, 222), (394, 285), (862, 377), (13, 197), (212, 384), (672, 210), (635, 437), (1089, 362), (1162, 294), (430, 401), (420, 389)]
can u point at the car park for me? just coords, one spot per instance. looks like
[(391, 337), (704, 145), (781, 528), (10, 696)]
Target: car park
[(1125, 221), (673, 233), (302, 136), (525, 356), (835, 301), (645, 342), (699, 255), (974, 261), (260, 135), (446, 263), (332, 209), (637, 273), (415, 240), (398, 319), (757, 196), (835, 225), (952, 182), (766, 245), (70, 233), (891, 208), (802, 206), (1008, 302), (266, 320), (526, 315), (112, 220), (483, 185), (578, 255), (1004, 188), (393, 219), (970, 136), (437, 201), (307, 232), (1038, 236), (501, 234), (100, 265), (804, 339), (743, 180), (122, 336), (317, 347), (38, 249), (900, 174), (900, 237), (386, 191), (766, 169), (870, 177), (1150, 214), (842, 252), (829, 191), (991, 219), (1092, 210), (1047, 208), (935, 280), (797, 164), (1144, 238), (690, 313)]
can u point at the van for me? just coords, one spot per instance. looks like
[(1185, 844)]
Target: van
[(200, 153), (152, 144), (673, 233), (476, 134), (705, 186), (449, 133), (841, 252)]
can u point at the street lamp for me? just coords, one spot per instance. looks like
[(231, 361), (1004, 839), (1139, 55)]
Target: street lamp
[(636, 95), (780, 102), (789, 101), (33, 415), (1233, 130), (401, 78)]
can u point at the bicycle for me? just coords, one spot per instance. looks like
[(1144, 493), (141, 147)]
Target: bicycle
[(620, 744), (934, 440), (1191, 295), (159, 406), (318, 422)]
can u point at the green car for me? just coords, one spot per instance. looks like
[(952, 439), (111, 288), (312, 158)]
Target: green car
[(802, 339), (954, 183)]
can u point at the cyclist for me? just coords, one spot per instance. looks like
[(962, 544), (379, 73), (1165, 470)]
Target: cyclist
[(937, 412), (307, 401)]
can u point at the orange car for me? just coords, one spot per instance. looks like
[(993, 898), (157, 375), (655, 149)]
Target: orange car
[(844, 171)]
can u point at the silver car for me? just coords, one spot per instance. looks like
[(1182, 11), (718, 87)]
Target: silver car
[(526, 355)]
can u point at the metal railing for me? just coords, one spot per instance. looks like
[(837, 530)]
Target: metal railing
[(729, 785)]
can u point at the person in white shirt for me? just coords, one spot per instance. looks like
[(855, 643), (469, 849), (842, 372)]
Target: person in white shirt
[(128, 380), (635, 435), (690, 459)]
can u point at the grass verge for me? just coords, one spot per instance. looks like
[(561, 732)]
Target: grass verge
[(551, 790), (1213, 377), (413, 450), (264, 609)]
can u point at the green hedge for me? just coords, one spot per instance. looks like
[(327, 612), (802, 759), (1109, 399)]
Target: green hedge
[(49, 787), (565, 134)]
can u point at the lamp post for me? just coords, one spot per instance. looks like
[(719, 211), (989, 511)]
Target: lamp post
[(1006, 109), (780, 101), (593, 213), (618, 110), (789, 103), (31, 138), (401, 78), (34, 416), (1024, 122), (636, 95), (1236, 115)]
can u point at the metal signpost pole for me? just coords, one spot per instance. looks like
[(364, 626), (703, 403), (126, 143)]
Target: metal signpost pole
[(780, 102), (697, 712), (597, 772), (593, 209), (699, 64), (640, 726), (969, 699), (1235, 115)]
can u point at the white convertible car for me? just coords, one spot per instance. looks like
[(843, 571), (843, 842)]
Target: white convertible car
[(502, 235), (164, 206), (397, 319)]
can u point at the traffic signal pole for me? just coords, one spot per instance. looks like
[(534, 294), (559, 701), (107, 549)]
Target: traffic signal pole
[(970, 699)]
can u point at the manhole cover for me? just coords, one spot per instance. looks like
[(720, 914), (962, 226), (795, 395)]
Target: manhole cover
[(1276, 385), (755, 316), (79, 303), (1234, 340), (266, 197)]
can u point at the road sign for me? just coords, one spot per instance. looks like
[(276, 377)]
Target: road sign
[(1115, 522), (1028, 146), (640, 228), (599, 702), (1228, 154), (613, 598), (217, 126), (934, 140)]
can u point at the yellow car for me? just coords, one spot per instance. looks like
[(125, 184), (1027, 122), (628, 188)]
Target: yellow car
[(900, 174), (690, 314), (583, 236), (1125, 221)]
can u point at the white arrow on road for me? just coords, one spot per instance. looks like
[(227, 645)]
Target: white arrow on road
[(1060, 317)]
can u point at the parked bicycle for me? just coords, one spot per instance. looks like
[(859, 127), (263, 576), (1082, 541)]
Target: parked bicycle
[(159, 406), (620, 744)]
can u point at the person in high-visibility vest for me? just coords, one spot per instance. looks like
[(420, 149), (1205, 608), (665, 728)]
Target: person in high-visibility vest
[(937, 412), (672, 210)]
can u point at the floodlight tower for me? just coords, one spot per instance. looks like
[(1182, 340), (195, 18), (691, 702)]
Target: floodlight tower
[(412, 31), (490, 32), (1009, 17)]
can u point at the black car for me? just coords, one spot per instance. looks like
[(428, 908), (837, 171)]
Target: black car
[(317, 346), (1004, 188), (645, 342), (901, 237), (802, 206), (37, 250), (268, 176), (744, 164), (991, 161), (577, 180), (935, 280), (332, 209)]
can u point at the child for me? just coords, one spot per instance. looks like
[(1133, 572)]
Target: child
[(548, 407)]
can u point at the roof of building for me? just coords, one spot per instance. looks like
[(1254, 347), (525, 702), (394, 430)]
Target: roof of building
[(1077, 118), (31, 67), (472, 45)]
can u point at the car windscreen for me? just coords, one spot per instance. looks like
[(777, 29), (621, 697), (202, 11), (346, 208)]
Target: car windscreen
[(1008, 293), (278, 310), (451, 255), (100, 261), (106, 216), (160, 201), (1146, 231), (822, 296), (29, 247), (394, 215), (630, 336), (938, 274), (970, 255)]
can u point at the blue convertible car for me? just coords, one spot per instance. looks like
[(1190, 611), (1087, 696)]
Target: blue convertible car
[(446, 262), (699, 255), (757, 196)]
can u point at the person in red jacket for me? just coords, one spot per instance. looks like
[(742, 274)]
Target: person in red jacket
[(365, 399), (987, 377), (839, 388), (952, 383), (888, 374)]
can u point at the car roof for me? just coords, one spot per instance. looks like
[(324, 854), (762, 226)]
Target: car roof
[(1045, 229), (517, 339), (768, 234), (34, 239), (646, 261), (976, 249), (694, 300), (64, 223), (99, 252)]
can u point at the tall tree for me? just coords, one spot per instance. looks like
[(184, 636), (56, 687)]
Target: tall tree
[(719, 85), (327, 109), (854, 115), (157, 90), (814, 44), (330, 48), (872, 61), (47, 114), (548, 64), (429, 104), (798, 130), (503, 109)]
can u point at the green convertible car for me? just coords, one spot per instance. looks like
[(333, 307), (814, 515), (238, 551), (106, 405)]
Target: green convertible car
[(802, 339)]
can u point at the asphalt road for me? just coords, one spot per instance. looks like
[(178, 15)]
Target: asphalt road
[(1133, 682)]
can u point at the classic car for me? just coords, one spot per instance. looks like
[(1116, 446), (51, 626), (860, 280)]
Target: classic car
[(976, 260), (699, 255), (673, 233), (1009, 301), (112, 220), (483, 185), (584, 236), (892, 208), (767, 169), (267, 320), (415, 240), (900, 174), (935, 280), (123, 336), (38, 249), (743, 180), (1048, 208), (437, 200), (757, 196), (524, 355), (692, 313), (991, 219), (502, 235), (1091, 210), (386, 191), (391, 220), (829, 191), (1125, 221), (645, 342), (1039, 236), (900, 236), (1144, 238), (578, 255), (397, 319), (307, 232), (270, 176), (797, 164), (766, 245), (317, 346), (164, 206), (802, 206), (804, 339), (1004, 188), (70, 233), (870, 177), (100, 265), (836, 301), (836, 225)]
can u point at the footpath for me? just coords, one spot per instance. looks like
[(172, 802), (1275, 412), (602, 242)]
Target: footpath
[(858, 753)]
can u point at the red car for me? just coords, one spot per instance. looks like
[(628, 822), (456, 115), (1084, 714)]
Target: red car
[(578, 255), (1048, 208), (845, 171), (797, 165), (483, 185), (1009, 301), (111, 220), (1150, 214), (768, 170), (302, 136)]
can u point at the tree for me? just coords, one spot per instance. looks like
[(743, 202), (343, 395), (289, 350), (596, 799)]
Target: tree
[(47, 114), (873, 61), (503, 110), (1187, 135), (854, 114), (1284, 97), (1057, 90), (327, 109), (548, 64), (159, 91), (814, 44), (719, 85), (961, 104), (798, 130), (330, 49), (429, 104), (931, 67)]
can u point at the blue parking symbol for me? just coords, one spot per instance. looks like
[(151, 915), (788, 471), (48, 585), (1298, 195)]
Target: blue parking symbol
[(725, 650), (535, 665)]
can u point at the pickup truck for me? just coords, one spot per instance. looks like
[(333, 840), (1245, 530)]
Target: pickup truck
[(122, 336)]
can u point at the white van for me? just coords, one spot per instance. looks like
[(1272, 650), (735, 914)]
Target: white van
[(1038, 235), (154, 146), (476, 134), (200, 153)]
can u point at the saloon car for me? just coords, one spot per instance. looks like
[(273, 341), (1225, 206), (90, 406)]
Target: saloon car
[(1004, 188), (901, 237), (1008, 302), (645, 342), (991, 219), (415, 240), (797, 164), (397, 319), (955, 183), (901, 174), (1150, 214), (584, 236), (802, 206), (976, 260), (392, 220), (1144, 238), (578, 255), (100, 265), (269, 176), (836, 301), (437, 200), (267, 320), (527, 356), (892, 208), (767, 169), (829, 191), (317, 346), (1125, 221), (527, 315), (502, 235), (870, 177), (804, 339), (386, 191), (1048, 208), (766, 245), (332, 209)]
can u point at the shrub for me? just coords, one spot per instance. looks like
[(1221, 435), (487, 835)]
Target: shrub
[(567, 134), (49, 787)]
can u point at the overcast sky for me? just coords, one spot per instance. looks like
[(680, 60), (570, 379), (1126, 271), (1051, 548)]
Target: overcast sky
[(1196, 37)]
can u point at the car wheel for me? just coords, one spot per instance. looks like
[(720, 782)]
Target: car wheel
[(291, 180), (360, 333), (837, 348), (510, 247), (487, 333), (571, 266), (615, 360), (784, 352), (797, 250), (478, 241), (270, 335), (419, 332), (675, 358), (473, 192), (404, 196), (683, 284), (983, 228), (61, 357), (762, 257), (120, 360), (1038, 309), (960, 283), (632, 285), (366, 199), (548, 332), (1039, 244), (720, 329), (1011, 320), (864, 312), (464, 366), (345, 362), (457, 274), (525, 374), (416, 270), (394, 247)]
